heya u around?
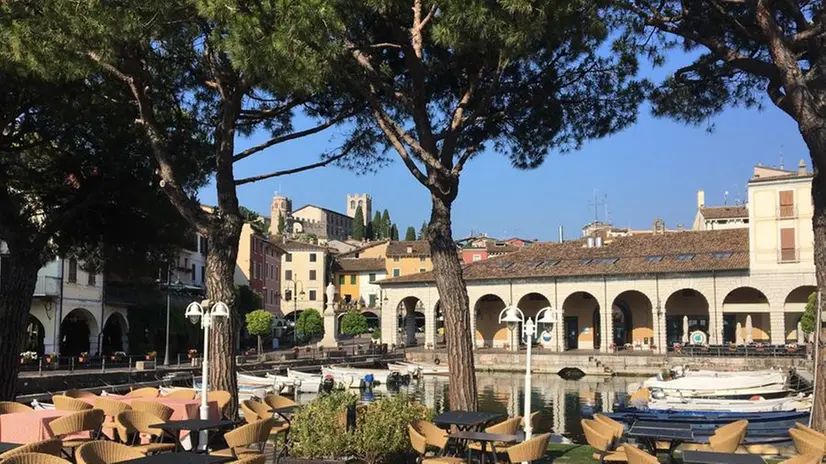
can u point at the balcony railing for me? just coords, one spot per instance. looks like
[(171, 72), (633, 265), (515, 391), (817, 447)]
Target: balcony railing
[(787, 211), (47, 286), (788, 255)]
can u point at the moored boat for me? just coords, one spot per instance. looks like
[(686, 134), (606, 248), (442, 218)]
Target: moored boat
[(426, 369), (791, 403), (743, 385)]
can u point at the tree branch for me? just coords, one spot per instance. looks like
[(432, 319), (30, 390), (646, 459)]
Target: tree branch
[(307, 167)]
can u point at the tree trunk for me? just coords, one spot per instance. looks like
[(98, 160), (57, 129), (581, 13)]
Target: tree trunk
[(223, 251), (260, 348), (453, 300), (16, 290), (815, 138)]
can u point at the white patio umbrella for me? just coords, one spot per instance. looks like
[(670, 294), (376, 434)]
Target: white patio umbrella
[(685, 329), (801, 337), (749, 330), (738, 334)]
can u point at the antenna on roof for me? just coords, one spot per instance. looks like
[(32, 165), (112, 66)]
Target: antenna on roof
[(596, 203), (781, 157), (725, 197)]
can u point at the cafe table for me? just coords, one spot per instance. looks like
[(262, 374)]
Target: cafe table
[(180, 458), (8, 447), (710, 457), (466, 420), (175, 427), (649, 433), (483, 438)]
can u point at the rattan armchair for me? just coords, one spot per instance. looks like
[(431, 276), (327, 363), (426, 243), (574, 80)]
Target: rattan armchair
[(419, 443), (600, 438), (35, 458), (255, 411), (222, 398), (817, 439), (638, 456), (275, 401), (530, 450), (51, 446), (617, 429), (83, 421), (435, 436), (727, 438), (247, 440), (804, 459), (806, 443), (65, 403), (260, 459), (181, 394), (79, 394), (145, 392), (111, 408), (11, 407), (535, 417), (133, 424), (157, 409), (506, 427), (105, 452)]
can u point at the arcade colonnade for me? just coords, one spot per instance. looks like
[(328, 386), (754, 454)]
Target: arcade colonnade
[(646, 311), (77, 330)]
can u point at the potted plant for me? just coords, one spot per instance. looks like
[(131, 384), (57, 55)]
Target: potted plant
[(48, 357), (296, 350), (118, 356), (81, 358), (193, 353), (151, 355)]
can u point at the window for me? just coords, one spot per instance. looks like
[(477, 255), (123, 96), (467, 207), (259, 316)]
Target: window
[(788, 250), (422, 258), (312, 274), (312, 257), (396, 272), (352, 279), (312, 295), (421, 269), (545, 263), (604, 261), (654, 259), (395, 259), (685, 257), (271, 274), (372, 277), (288, 275), (341, 278), (193, 273), (288, 257), (585, 261), (203, 274), (502, 264), (186, 262), (786, 203), (372, 301), (72, 270), (288, 295), (5, 267), (722, 255), (92, 278), (477, 257)]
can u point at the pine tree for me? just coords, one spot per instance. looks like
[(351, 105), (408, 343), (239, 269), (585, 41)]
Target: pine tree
[(358, 224), (386, 224), (394, 232), (378, 229), (282, 224), (410, 234), (423, 231)]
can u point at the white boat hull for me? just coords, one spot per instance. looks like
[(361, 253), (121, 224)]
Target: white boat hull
[(427, 369), (719, 384), (797, 403)]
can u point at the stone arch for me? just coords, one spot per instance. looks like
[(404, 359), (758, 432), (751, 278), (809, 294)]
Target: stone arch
[(115, 332), (410, 313), (531, 304), (633, 320), (489, 332), (740, 303), (793, 308), (580, 319), (78, 332), (35, 335), (373, 319), (685, 302)]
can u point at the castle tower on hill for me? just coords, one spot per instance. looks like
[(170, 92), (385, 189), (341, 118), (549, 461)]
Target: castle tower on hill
[(365, 201), (281, 206)]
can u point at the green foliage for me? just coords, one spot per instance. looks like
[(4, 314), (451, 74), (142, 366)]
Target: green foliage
[(376, 335), (309, 324), (386, 224), (381, 434), (282, 224), (423, 231), (246, 301), (259, 322), (807, 321), (378, 227), (394, 232), (410, 234), (358, 224), (259, 224), (318, 428), (353, 323)]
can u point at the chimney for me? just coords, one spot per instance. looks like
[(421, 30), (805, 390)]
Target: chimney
[(701, 199), (598, 242), (801, 168), (561, 235), (589, 242)]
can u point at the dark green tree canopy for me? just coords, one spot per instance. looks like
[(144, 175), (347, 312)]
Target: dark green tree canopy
[(353, 323), (410, 234), (310, 324), (358, 224)]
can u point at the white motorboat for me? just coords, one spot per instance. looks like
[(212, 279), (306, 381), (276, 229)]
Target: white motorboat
[(305, 382), (791, 403), (248, 380), (719, 385), (380, 376), (404, 369), (426, 369), (282, 383)]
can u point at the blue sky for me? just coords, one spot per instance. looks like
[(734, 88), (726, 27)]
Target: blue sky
[(650, 170)]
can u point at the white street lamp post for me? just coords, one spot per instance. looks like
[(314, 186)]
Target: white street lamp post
[(205, 311), (513, 316)]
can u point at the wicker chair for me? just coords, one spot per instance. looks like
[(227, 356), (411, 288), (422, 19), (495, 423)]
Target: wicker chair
[(260, 459), (817, 439), (530, 450), (223, 399), (617, 429), (638, 456), (806, 443), (599, 437), (83, 421), (727, 439), (145, 392), (535, 417), (34, 458), (435, 436), (255, 411), (52, 446), (133, 424), (181, 394), (419, 443), (247, 440), (65, 403), (642, 394), (79, 394), (804, 459), (157, 409), (105, 452), (11, 407), (111, 408), (506, 427), (275, 401)]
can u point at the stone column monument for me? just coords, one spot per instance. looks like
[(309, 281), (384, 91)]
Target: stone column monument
[(330, 339)]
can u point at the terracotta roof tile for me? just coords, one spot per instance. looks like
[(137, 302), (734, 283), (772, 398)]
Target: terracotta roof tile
[(693, 251), (359, 264), (400, 248), (292, 245), (364, 247), (725, 212)]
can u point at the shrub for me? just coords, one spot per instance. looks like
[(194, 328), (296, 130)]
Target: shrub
[(376, 335), (381, 429), (353, 323), (309, 324), (317, 430)]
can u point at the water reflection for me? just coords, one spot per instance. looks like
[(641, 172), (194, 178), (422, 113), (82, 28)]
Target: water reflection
[(560, 401)]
